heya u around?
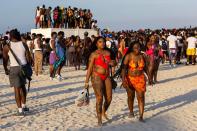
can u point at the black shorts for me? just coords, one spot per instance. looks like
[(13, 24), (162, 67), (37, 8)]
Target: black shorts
[(16, 78)]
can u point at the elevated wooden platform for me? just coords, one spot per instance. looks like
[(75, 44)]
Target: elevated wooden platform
[(46, 32)]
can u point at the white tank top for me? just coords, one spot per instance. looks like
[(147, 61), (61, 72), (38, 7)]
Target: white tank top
[(19, 51), (36, 47), (38, 13)]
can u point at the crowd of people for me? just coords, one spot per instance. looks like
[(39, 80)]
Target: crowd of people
[(139, 52), (61, 17)]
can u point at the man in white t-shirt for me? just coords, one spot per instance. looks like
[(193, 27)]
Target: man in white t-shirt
[(172, 45), (191, 48)]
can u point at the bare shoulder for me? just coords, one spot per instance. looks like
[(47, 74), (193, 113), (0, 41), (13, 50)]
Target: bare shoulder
[(5, 49), (93, 54), (52, 40), (130, 55), (107, 52)]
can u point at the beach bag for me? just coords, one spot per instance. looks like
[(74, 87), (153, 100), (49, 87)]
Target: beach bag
[(113, 82), (83, 98), (26, 70)]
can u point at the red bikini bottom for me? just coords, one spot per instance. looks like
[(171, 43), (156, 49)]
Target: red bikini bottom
[(103, 77)]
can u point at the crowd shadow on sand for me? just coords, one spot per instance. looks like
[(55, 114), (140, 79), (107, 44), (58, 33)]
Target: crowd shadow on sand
[(164, 67), (174, 103), (171, 103), (178, 78), (69, 90), (164, 125), (39, 108)]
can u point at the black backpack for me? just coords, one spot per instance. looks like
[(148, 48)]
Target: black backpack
[(114, 49), (164, 45)]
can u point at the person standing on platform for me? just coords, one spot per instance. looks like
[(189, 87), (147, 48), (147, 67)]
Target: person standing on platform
[(37, 17), (42, 16), (48, 17)]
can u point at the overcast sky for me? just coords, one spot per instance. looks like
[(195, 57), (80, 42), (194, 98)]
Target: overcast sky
[(112, 14)]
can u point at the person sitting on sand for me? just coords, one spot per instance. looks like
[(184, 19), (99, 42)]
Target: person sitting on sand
[(134, 79), (98, 70)]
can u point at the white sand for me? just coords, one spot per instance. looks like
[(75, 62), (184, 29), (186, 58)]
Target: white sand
[(170, 105)]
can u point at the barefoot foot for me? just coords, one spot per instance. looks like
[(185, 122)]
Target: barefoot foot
[(131, 115), (105, 116), (141, 120)]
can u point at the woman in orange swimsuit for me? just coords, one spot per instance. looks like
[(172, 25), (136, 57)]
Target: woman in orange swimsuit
[(98, 70), (134, 79)]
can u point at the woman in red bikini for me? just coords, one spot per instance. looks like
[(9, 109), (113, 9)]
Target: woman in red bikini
[(98, 70)]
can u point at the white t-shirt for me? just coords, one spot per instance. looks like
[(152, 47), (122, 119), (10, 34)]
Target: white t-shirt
[(19, 51), (192, 41), (172, 41), (108, 44)]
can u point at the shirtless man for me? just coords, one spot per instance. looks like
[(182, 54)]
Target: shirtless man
[(42, 16)]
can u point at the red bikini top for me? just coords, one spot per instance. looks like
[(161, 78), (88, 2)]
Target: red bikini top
[(102, 61)]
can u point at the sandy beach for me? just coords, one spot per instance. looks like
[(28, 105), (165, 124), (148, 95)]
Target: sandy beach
[(171, 105)]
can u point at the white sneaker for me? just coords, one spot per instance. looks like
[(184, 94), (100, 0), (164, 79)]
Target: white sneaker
[(59, 77), (51, 78), (174, 65)]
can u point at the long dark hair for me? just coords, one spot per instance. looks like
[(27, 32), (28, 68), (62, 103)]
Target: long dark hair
[(93, 46), (130, 49)]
